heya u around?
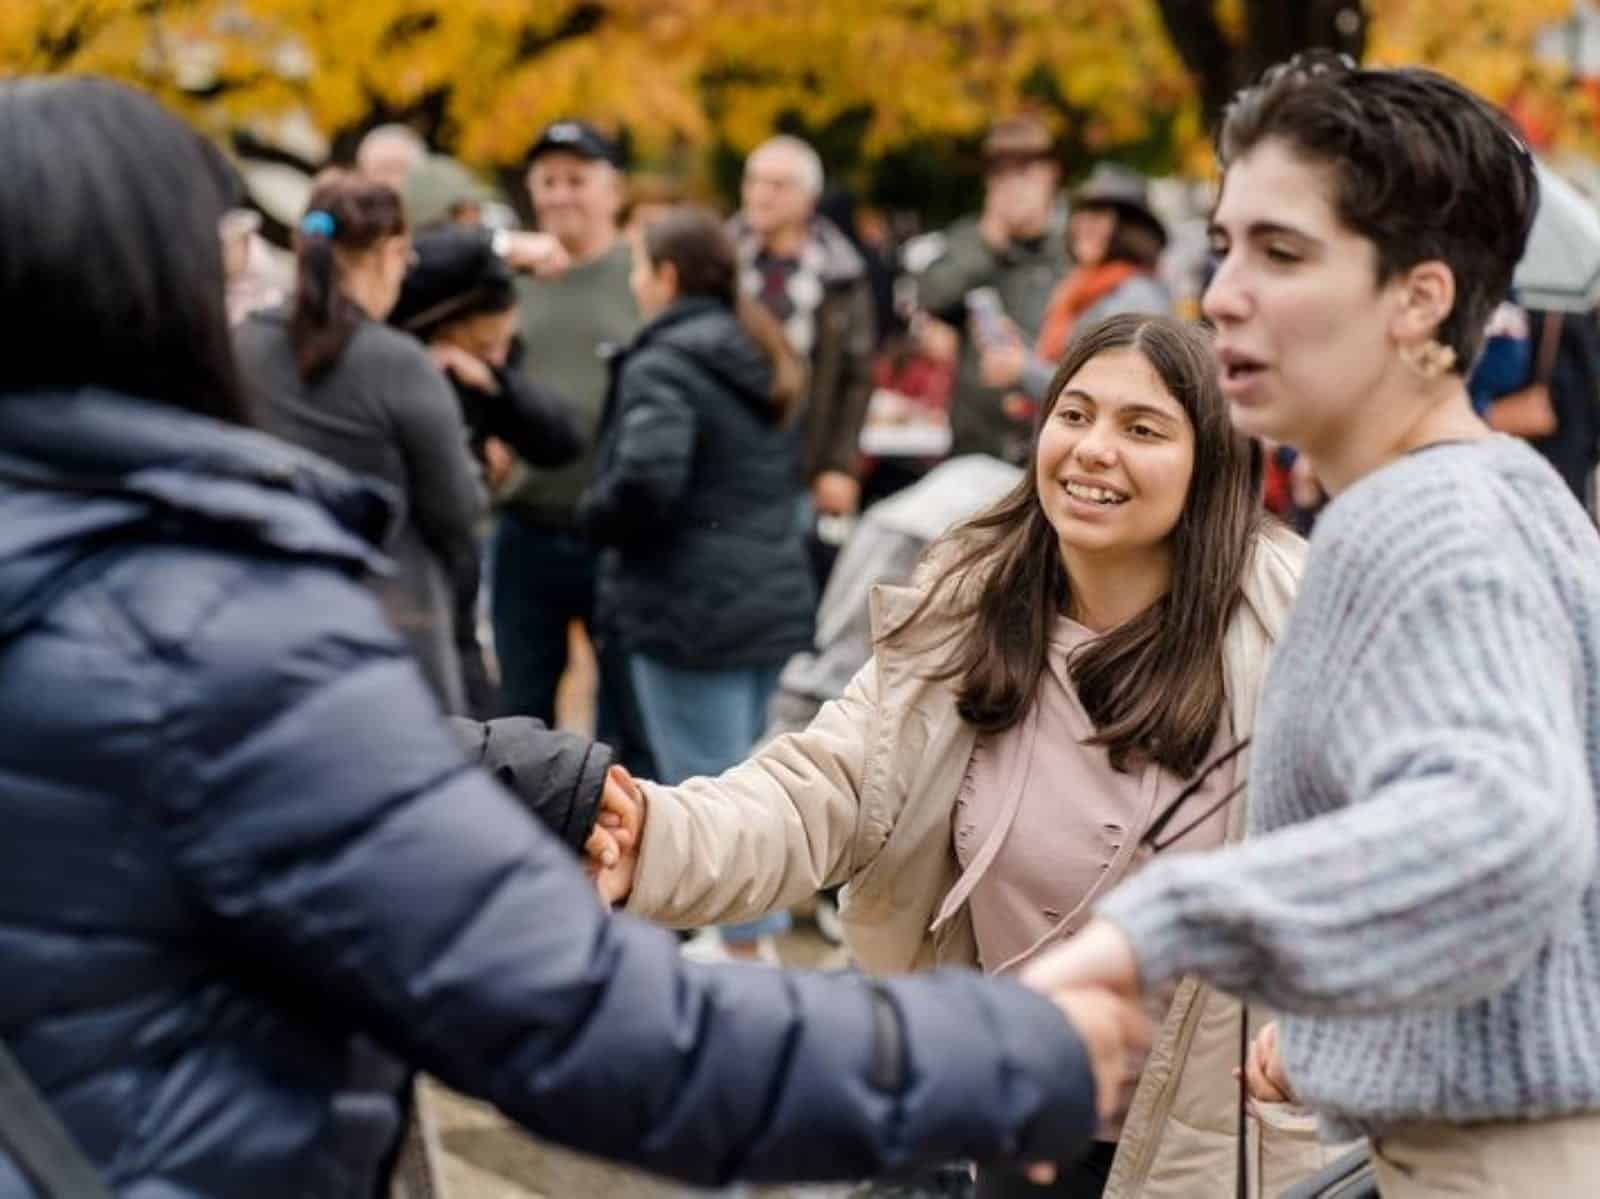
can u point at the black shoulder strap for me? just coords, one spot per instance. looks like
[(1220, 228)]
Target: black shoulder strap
[(33, 1137), (1241, 1149), (1549, 345)]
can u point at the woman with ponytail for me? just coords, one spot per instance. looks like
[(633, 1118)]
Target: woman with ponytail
[(707, 586), (329, 375)]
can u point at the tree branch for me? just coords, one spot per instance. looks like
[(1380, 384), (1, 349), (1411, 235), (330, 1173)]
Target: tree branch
[(1278, 31), (1210, 58)]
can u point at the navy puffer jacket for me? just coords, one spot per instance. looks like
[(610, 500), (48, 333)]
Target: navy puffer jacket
[(238, 834)]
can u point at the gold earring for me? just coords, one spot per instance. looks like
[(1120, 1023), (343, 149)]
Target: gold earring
[(1431, 359)]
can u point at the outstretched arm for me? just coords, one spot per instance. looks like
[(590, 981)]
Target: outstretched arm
[(326, 819)]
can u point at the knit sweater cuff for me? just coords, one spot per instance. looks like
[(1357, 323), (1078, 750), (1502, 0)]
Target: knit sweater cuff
[(1149, 909)]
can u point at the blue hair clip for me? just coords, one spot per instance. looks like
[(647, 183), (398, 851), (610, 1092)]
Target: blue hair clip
[(317, 223)]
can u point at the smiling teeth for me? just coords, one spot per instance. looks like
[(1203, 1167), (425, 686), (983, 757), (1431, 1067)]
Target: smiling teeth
[(1095, 495)]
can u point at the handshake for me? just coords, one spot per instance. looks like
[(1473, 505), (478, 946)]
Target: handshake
[(1108, 1018), (611, 854)]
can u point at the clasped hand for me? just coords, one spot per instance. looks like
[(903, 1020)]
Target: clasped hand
[(611, 854)]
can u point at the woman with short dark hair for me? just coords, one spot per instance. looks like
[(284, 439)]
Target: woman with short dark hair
[(329, 375), (1423, 901), (239, 837)]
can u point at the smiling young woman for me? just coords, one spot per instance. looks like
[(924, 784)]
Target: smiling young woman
[(1057, 672)]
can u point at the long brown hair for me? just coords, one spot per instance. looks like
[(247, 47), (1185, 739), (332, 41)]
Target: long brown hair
[(1153, 686), (695, 242), (349, 212)]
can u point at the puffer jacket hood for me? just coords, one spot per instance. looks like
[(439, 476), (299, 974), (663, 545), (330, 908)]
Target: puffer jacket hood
[(80, 469), (698, 327), (694, 491)]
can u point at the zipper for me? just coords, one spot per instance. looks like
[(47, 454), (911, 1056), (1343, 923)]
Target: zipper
[(1169, 1093)]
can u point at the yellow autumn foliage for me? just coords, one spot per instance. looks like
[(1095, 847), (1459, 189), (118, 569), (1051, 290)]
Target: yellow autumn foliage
[(683, 73)]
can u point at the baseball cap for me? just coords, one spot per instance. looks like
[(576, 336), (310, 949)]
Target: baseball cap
[(574, 137)]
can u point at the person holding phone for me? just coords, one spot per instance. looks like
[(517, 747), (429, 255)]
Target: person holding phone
[(1014, 247)]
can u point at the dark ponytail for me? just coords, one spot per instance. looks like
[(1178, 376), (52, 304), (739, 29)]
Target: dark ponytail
[(694, 241), (348, 212)]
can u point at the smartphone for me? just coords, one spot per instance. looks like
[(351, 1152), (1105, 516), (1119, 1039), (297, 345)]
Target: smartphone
[(988, 316)]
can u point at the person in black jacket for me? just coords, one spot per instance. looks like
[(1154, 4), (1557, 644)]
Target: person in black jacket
[(330, 376), (239, 837), (458, 298), (706, 583)]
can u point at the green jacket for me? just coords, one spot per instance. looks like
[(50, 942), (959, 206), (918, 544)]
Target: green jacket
[(1024, 275), (570, 328)]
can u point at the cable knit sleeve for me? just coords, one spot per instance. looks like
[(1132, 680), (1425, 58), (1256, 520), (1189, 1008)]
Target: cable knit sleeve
[(1421, 774)]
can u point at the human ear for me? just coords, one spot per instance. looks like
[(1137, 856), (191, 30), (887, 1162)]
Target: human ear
[(617, 185), (1427, 294)]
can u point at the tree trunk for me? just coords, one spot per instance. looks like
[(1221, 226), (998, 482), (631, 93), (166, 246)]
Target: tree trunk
[(1274, 31)]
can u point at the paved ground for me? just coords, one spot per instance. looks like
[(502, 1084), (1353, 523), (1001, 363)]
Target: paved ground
[(485, 1158)]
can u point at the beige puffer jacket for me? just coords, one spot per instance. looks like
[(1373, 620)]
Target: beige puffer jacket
[(865, 796)]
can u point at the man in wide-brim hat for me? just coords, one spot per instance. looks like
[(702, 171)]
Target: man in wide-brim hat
[(995, 272)]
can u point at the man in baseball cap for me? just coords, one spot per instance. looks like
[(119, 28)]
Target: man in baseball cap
[(578, 138), (544, 567)]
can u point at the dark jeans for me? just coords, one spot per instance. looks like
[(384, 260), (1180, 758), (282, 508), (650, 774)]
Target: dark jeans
[(543, 579), (1085, 1179)]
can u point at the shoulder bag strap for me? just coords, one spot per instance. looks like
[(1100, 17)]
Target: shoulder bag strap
[(36, 1140), (1549, 343), (1241, 1173)]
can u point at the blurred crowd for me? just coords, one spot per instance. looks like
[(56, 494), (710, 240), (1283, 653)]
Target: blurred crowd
[(675, 419)]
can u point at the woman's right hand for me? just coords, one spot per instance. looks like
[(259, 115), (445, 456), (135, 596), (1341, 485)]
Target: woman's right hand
[(622, 817)]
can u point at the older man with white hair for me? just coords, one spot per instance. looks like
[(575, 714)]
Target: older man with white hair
[(390, 153), (811, 278)]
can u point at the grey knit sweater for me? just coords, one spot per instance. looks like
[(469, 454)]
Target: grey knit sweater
[(1421, 895)]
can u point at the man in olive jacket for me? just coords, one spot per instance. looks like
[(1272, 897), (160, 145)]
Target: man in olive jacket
[(1016, 250)]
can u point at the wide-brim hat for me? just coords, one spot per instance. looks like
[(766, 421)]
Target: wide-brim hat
[(1123, 189), (1018, 139), (456, 274)]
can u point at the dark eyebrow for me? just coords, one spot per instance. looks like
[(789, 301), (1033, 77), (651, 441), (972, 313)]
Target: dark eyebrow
[(1149, 410), (1125, 409), (1261, 229)]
